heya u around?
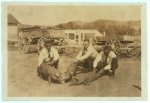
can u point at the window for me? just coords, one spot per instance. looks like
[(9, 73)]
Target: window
[(77, 37), (71, 36), (81, 36)]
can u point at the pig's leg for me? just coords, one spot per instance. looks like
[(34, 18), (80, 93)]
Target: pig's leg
[(39, 72), (74, 81), (49, 80)]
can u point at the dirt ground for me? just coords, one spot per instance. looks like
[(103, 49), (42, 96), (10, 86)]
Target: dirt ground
[(24, 82)]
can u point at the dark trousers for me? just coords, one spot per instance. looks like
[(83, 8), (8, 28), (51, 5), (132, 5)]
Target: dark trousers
[(114, 65), (87, 63)]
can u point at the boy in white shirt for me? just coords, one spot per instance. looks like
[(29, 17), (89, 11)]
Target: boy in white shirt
[(106, 61), (86, 55), (48, 55)]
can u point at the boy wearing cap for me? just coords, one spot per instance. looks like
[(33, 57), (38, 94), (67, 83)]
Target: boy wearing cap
[(48, 55), (106, 61)]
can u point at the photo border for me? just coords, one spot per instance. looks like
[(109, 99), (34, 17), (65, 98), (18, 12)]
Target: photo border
[(144, 73)]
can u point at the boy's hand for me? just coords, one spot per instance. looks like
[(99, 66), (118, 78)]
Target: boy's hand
[(52, 62), (107, 67)]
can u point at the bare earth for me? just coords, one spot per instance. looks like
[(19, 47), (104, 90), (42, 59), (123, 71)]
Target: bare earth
[(24, 82)]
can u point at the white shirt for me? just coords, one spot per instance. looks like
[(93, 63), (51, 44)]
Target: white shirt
[(89, 52), (101, 57), (46, 56)]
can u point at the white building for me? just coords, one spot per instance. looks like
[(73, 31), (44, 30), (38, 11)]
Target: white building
[(76, 37)]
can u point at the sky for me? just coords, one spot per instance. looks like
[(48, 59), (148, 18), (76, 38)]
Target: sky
[(56, 14)]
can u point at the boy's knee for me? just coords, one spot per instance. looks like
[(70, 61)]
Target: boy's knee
[(100, 65)]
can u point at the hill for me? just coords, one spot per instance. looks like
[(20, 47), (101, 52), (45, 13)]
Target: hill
[(12, 20), (107, 26)]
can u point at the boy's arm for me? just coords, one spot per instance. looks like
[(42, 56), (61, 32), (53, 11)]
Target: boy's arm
[(97, 59), (56, 55), (108, 66)]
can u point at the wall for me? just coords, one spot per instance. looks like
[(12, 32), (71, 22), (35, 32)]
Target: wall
[(12, 33)]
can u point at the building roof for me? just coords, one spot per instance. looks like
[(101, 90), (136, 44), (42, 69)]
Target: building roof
[(97, 33), (11, 20), (56, 33)]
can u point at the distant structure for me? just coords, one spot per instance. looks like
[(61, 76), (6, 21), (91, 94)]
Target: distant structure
[(75, 36), (12, 28), (56, 33)]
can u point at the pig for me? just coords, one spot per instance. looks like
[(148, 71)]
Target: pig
[(87, 78), (49, 73), (84, 78), (72, 70)]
